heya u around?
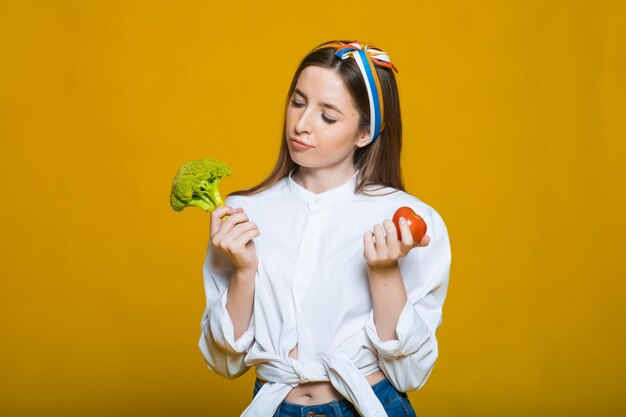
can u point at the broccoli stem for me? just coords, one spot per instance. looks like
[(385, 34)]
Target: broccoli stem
[(206, 197), (203, 205), (211, 193), (216, 197)]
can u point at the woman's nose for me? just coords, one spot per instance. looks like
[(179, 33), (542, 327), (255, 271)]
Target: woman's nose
[(304, 121)]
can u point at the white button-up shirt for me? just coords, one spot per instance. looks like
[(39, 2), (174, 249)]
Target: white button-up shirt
[(311, 289)]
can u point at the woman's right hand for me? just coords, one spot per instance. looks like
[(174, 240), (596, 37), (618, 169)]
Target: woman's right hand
[(233, 236)]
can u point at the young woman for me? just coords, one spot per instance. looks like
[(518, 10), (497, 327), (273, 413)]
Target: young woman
[(306, 278)]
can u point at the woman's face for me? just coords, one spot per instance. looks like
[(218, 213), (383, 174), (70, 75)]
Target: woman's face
[(322, 115)]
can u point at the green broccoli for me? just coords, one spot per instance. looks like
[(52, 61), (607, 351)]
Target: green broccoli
[(196, 184)]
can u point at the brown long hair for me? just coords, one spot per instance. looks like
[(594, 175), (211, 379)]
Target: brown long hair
[(378, 162)]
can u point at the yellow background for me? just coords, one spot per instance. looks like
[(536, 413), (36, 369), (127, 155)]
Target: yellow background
[(514, 125)]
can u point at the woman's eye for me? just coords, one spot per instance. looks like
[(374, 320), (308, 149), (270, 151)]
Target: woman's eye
[(326, 119), (329, 121)]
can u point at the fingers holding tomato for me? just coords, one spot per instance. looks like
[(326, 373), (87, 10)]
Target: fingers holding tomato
[(394, 238), (404, 232), (376, 251), (416, 223), (382, 246), (408, 237), (425, 241)]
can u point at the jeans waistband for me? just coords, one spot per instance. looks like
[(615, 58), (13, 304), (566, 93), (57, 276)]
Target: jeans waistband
[(383, 389)]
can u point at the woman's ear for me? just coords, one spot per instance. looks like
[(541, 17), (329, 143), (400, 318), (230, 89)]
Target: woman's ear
[(363, 139)]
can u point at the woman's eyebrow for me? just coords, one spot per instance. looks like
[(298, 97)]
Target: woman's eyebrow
[(330, 106)]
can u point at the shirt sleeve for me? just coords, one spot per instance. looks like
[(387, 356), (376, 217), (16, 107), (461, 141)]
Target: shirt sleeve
[(409, 360), (222, 353)]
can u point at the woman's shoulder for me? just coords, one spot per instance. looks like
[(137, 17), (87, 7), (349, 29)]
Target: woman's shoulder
[(250, 201), (393, 198)]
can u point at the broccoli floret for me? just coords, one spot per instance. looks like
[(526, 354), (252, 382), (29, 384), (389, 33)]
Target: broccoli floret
[(196, 184)]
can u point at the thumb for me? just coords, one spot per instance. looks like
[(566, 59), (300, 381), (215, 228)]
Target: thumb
[(219, 215), (231, 212)]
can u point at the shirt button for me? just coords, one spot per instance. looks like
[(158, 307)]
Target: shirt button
[(376, 412), (310, 414), (318, 200)]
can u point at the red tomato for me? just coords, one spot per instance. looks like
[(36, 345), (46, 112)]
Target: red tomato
[(415, 222)]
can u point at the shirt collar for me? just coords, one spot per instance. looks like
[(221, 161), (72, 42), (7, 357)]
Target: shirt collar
[(334, 194)]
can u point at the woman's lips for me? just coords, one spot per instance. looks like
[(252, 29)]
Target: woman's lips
[(300, 145)]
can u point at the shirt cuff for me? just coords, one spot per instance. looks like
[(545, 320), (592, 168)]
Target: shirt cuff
[(411, 330), (223, 331)]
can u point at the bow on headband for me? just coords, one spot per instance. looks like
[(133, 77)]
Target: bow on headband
[(366, 57)]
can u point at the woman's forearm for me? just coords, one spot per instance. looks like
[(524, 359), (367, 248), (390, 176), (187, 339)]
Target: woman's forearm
[(388, 298), (240, 300)]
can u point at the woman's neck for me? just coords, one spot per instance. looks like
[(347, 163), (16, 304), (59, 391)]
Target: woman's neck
[(319, 180)]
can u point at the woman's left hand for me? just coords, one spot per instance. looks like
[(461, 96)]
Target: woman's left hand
[(382, 247)]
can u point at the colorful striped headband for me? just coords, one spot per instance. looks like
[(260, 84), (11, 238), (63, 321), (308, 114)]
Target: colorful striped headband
[(366, 57)]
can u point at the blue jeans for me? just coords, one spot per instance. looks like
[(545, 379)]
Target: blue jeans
[(396, 404)]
